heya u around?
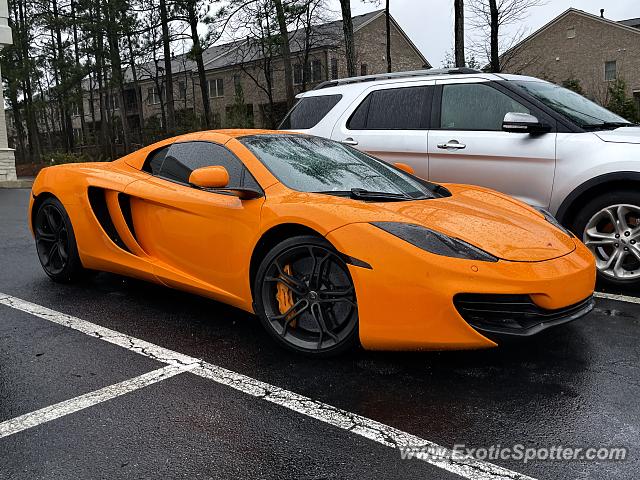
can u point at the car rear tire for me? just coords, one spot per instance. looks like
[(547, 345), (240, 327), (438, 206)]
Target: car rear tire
[(305, 297), (56, 242), (609, 225)]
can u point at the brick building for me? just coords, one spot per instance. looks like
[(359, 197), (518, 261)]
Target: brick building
[(317, 56), (582, 46)]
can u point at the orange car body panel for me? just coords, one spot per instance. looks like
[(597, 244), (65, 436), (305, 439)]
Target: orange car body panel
[(202, 242)]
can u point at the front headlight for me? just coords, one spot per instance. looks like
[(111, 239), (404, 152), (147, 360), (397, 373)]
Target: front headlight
[(552, 220), (435, 242)]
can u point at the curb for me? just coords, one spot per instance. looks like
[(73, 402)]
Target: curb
[(20, 183)]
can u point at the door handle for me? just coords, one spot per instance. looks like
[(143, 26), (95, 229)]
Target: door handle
[(452, 144), (349, 141)]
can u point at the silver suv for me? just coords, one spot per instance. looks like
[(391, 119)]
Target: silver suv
[(535, 140)]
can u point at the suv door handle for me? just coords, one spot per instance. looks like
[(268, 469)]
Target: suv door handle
[(452, 144), (349, 141)]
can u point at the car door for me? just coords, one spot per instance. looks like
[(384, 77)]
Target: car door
[(467, 144), (390, 122), (197, 238)]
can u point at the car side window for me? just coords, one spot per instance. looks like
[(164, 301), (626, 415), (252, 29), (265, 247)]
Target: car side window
[(407, 108), (475, 106), (182, 158), (154, 161)]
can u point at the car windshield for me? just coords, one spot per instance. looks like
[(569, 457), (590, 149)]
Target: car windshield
[(313, 164), (582, 111)]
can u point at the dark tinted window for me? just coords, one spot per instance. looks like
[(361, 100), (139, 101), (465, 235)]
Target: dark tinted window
[(393, 109), (475, 106), (309, 111), (184, 157), (153, 164)]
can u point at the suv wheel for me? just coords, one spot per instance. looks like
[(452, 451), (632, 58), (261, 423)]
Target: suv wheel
[(609, 225)]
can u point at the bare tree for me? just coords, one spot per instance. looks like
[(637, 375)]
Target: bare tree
[(349, 43), (489, 19), (458, 8)]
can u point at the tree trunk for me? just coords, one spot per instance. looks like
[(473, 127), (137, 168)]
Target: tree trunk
[(65, 115), (197, 53), (79, 90), (32, 123), (388, 25), (168, 73), (495, 59), (286, 52), (136, 86), (459, 32), (349, 47), (116, 70)]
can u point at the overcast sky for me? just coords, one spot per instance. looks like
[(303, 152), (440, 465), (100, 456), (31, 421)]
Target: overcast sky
[(429, 23)]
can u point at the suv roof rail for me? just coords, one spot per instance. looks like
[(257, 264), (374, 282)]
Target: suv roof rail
[(387, 76)]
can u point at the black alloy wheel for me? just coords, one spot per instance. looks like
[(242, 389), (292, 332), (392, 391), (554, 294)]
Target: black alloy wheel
[(306, 298), (56, 243)]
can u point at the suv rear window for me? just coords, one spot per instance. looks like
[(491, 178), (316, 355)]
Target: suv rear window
[(309, 111)]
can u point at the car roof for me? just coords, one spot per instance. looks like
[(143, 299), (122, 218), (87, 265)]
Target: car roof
[(358, 84)]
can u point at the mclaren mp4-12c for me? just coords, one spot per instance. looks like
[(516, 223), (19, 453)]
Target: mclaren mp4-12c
[(327, 245)]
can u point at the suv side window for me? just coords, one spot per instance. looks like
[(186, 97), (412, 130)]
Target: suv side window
[(407, 108), (176, 162), (475, 106), (308, 112)]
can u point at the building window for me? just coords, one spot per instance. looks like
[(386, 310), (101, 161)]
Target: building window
[(153, 98), (75, 109), (310, 72), (334, 68), (297, 74), (182, 90), (237, 85), (316, 70), (216, 88), (363, 69), (112, 102), (571, 32), (610, 70)]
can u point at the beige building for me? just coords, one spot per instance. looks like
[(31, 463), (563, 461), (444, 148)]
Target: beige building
[(582, 46), (239, 64)]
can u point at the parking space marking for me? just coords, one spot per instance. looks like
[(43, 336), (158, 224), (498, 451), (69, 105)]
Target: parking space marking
[(618, 298), (381, 433), (46, 414)]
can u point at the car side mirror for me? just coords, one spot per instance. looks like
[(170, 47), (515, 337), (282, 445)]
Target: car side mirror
[(523, 123), (210, 177), (404, 167)]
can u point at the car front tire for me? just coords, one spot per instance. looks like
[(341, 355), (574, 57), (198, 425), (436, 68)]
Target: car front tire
[(305, 297)]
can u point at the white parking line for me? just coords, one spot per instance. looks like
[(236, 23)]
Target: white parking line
[(365, 427), (619, 298), (46, 414)]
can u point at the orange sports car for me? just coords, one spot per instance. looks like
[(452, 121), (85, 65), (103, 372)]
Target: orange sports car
[(327, 245)]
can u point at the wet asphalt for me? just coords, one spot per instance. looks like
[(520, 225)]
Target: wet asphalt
[(578, 385)]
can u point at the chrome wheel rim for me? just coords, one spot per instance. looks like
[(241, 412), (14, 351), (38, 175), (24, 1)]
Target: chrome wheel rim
[(322, 309), (613, 235), (52, 239)]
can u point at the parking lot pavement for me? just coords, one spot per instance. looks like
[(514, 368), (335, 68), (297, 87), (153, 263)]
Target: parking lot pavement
[(574, 386)]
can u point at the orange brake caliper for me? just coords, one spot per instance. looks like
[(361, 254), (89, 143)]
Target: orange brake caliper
[(285, 296)]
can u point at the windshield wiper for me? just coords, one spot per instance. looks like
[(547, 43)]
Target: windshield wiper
[(362, 194)]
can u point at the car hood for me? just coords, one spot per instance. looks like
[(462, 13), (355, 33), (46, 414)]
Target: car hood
[(500, 225), (620, 135)]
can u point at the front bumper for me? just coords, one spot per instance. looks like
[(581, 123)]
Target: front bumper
[(501, 316), (406, 300)]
